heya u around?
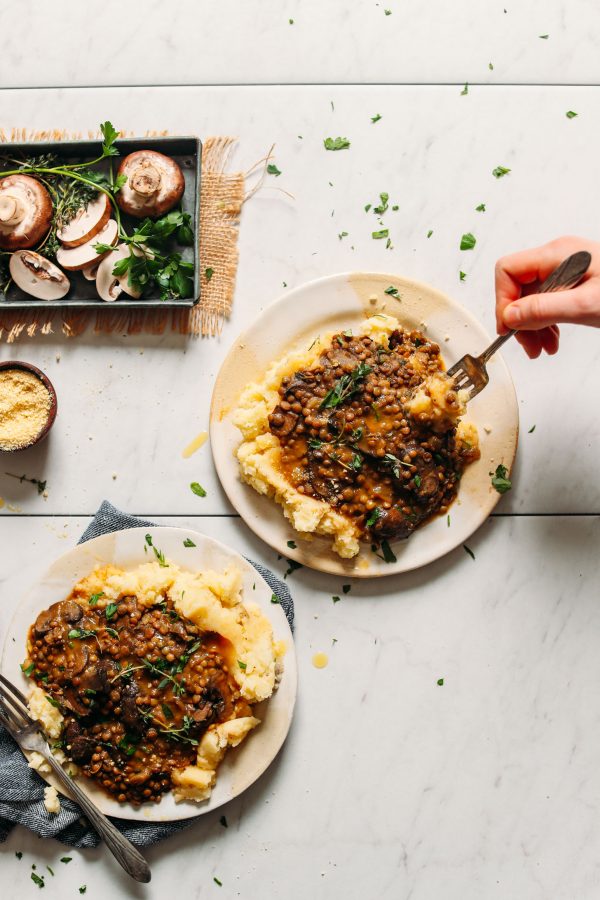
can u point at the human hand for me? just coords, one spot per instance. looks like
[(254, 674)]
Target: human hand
[(536, 315)]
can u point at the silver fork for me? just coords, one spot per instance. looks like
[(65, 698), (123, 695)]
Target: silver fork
[(470, 373), (27, 732)]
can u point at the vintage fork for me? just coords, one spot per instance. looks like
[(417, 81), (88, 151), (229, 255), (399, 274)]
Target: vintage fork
[(27, 732), (470, 373)]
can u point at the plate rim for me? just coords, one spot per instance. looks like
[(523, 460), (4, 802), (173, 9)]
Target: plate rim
[(186, 809)]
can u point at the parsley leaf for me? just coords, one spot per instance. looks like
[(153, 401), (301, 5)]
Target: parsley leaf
[(188, 543), (223, 822), (462, 275), (273, 170), (38, 880), (500, 480), (378, 235), (465, 90), (429, 233), (110, 134), (346, 588), (95, 597), (338, 143), (391, 290), (468, 241), (110, 610), (570, 114), (292, 545), (375, 514), (197, 489), (375, 118), (531, 430), (208, 273), (274, 598), (480, 208), (388, 554), (440, 681), (500, 171), (469, 551)]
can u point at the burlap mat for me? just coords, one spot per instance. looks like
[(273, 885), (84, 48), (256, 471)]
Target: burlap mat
[(221, 200)]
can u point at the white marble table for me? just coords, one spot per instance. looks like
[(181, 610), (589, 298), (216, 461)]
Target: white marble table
[(389, 786)]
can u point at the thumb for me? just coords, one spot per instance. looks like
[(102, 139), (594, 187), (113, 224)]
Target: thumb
[(536, 311)]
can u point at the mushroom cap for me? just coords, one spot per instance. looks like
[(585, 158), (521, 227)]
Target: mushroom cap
[(154, 185), (37, 276), (75, 258), (90, 271), (110, 286), (26, 212), (86, 223)]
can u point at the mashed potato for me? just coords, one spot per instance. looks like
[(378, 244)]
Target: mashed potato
[(259, 454), (213, 601)]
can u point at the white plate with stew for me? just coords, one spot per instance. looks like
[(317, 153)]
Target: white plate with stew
[(243, 765), (338, 303)]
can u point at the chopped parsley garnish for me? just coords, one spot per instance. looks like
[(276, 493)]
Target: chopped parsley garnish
[(292, 566), (383, 204), (242, 665), (188, 543), (417, 480), (216, 881), (66, 859), (342, 235), (37, 879), (469, 551), (336, 599), (80, 633), (367, 207), (375, 514), (110, 610), (480, 208), (27, 670), (379, 235), (468, 241), (345, 387), (388, 554), (491, 67), (167, 711), (531, 430), (375, 118), (83, 889), (95, 597), (50, 870), (19, 854), (160, 556), (462, 275), (500, 171), (274, 598), (571, 115), (465, 90), (292, 545), (395, 464), (223, 822), (346, 588), (126, 746), (440, 681), (391, 290), (315, 443), (388, 12), (273, 170), (544, 37), (338, 143), (197, 489), (429, 233), (500, 480)]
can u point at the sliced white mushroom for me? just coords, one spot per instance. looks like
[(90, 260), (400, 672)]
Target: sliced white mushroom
[(89, 272), (154, 185), (75, 258), (110, 286), (37, 276), (86, 223), (25, 212)]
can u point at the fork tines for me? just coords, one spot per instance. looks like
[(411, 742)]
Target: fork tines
[(14, 714)]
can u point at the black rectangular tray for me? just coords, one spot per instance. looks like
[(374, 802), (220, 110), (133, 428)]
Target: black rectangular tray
[(186, 151)]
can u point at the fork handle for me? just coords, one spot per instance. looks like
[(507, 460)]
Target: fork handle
[(124, 852), (567, 275)]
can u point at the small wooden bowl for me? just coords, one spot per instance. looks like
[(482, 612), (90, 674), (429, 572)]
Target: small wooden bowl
[(33, 370)]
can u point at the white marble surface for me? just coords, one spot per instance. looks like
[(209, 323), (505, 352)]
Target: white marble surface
[(433, 151), (234, 42), (389, 785)]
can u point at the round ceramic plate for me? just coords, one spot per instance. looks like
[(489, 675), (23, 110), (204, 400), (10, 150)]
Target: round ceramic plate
[(241, 766), (336, 303)]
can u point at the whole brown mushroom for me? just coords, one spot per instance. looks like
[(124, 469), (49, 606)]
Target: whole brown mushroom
[(154, 185), (25, 212)]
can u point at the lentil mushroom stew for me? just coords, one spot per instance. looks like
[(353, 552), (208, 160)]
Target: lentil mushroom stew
[(351, 434), (137, 685)]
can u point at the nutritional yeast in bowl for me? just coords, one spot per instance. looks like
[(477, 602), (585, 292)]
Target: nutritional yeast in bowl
[(25, 405)]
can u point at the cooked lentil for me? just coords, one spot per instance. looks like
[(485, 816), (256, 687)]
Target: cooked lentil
[(137, 687), (347, 438)]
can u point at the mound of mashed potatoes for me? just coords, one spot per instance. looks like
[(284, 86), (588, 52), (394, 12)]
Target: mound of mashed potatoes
[(435, 402), (212, 600)]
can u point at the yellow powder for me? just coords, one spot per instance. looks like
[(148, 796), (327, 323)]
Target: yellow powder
[(24, 407)]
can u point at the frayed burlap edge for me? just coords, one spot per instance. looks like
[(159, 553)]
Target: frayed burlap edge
[(221, 201)]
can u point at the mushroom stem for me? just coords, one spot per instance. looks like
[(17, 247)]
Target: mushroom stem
[(11, 209), (145, 180)]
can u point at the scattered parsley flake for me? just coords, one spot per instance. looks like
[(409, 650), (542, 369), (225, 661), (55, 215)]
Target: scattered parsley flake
[(273, 170), (216, 881), (110, 610), (429, 233), (292, 545), (388, 12), (469, 551), (274, 598), (19, 854), (491, 67), (242, 665), (500, 480), (379, 235), (291, 21), (465, 90), (292, 566), (468, 241), (531, 430), (338, 143), (448, 520), (197, 489), (367, 207), (544, 37), (500, 171), (440, 681), (417, 480), (346, 588), (208, 273), (462, 275), (375, 514), (388, 554), (95, 597), (375, 118), (336, 599), (223, 822), (188, 543), (50, 870), (27, 670), (83, 889), (39, 880), (66, 859), (570, 114), (391, 290), (342, 234), (480, 208)]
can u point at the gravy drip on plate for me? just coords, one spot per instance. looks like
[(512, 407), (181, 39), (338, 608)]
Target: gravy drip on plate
[(346, 437), (138, 687)]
